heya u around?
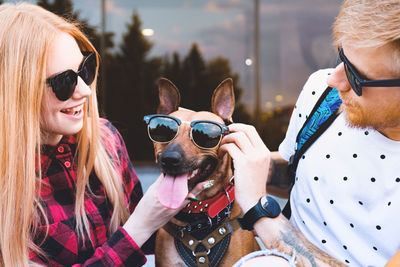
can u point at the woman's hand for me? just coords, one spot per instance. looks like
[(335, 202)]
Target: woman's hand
[(150, 215), (251, 159)]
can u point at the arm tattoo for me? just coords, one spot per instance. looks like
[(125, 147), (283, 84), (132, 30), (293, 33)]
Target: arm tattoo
[(290, 240), (304, 249)]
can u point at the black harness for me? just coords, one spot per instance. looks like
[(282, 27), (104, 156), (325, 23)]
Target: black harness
[(204, 240)]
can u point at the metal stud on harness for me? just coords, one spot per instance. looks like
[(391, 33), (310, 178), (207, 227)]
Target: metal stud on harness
[(204, 240), (207, 251)]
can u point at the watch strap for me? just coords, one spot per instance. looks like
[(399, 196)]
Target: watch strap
[(271, 210)]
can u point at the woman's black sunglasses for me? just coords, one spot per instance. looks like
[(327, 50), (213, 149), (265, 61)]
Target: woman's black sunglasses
[(204, 134), (355, 80), (64, 83)]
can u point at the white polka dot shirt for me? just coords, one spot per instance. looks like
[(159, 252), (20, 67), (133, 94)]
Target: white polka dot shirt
[(346, 197)]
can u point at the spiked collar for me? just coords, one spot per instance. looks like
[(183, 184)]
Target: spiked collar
[(214, 205)]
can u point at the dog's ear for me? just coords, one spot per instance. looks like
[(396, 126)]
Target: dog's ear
[(169, 97), (223, 100)]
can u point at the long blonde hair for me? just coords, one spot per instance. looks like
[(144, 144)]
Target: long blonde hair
[(26, 33)]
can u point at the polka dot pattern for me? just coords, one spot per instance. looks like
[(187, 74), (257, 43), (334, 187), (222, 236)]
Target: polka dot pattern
[(344, 176)]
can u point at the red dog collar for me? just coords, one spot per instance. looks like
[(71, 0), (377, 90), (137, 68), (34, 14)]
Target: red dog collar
[(214, 205)]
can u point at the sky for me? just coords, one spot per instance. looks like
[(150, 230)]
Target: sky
[(295, 36)]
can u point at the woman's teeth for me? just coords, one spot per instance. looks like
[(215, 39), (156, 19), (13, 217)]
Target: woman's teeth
[(72, 111)]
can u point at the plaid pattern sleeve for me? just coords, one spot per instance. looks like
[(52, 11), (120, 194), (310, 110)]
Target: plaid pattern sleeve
[(57, 239)]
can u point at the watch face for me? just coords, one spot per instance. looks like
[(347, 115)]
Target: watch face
[(264, 202)]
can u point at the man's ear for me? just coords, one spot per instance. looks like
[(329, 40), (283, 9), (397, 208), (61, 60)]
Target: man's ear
[(169, 97), (223, 100)]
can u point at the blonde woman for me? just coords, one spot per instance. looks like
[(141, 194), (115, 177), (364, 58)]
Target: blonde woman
[(67, 185)]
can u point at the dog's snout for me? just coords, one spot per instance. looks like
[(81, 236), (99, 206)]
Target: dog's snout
[(171, 159)]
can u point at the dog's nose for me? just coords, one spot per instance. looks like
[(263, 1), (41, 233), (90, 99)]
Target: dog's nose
[(171, 159)]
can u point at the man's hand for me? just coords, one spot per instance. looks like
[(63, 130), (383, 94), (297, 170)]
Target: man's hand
[(251, 160)]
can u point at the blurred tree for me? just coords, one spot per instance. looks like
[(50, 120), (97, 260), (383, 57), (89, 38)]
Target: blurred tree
[(173, 70), (62, 8), (132, 89), (197, 80), (193, 88)]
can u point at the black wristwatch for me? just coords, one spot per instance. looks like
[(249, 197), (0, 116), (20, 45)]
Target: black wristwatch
[(266, 207)]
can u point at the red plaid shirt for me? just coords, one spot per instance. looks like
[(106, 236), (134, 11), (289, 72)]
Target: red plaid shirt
[(62, 245)]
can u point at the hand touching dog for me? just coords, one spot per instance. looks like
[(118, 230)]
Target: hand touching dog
[(251, 159), (150, 214)]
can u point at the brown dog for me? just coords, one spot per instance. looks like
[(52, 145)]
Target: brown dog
[(205, 233)]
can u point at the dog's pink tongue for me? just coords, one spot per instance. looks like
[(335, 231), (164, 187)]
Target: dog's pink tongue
[(173, 190)]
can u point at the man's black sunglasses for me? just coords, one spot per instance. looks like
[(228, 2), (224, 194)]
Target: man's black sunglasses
[(64, 83), (203, 133), (355, 80)]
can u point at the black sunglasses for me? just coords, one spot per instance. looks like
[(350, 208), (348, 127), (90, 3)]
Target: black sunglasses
[(204, 134), (64, 83), (355, 80)]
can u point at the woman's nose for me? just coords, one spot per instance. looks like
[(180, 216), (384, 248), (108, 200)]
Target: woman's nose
[(338, 79), (82, 89)]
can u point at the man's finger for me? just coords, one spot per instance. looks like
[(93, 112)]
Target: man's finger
[(235, 153), (240, 139), (250, 131)]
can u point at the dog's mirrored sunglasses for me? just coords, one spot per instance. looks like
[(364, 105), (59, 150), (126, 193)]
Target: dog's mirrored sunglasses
[(203, 133), (355, 80), (64, 83)]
